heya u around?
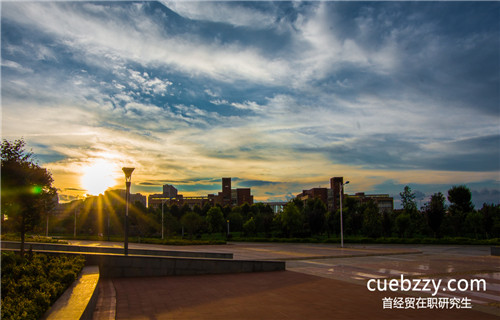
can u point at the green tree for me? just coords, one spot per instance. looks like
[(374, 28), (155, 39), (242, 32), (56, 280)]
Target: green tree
[(291, 219), (192, 222), (315, 213), (435, 211), (460, 199), (408, 200), (250, 227), (474, 222), (403, 222), (460, 205), (372, 222), (215, 219), (387, 223), (491, 220), (26, 188), (333, 222), (235, 221)]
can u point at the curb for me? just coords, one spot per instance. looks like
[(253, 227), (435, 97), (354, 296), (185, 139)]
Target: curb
[(79, 300)]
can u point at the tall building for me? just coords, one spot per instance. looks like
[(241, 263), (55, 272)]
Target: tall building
[(335, 187), (169, 191), (226, 192)]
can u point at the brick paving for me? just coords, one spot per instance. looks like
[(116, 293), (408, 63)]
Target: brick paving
[(271, 295), (322, 282)]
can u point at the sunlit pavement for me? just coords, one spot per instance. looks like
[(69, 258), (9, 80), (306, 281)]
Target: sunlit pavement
[(323, 273)]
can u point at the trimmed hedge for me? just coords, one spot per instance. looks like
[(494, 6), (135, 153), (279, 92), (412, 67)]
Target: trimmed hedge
[(31, 238), (30, 285)]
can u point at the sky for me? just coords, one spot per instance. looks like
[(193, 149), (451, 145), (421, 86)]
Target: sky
[(280, 96)]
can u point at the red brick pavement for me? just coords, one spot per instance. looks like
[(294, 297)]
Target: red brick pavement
[(273, 295)]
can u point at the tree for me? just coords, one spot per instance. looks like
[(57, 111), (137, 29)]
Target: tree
[(250, 227), (474, 221), (460, 199), (491, 220), (235, 220), (215, 219), (408, 200), (403, 222), (435, 211), (291, 219), (315, 213), (192, 222), (460, 205), (26, 187), (372, 222)]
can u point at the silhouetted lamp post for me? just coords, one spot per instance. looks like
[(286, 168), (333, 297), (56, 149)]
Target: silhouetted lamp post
[(341, 224), (128, 179)]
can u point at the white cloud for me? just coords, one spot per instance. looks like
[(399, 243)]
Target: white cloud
[(225, 12)]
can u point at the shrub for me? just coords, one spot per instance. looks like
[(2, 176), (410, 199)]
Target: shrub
[(31, 285)]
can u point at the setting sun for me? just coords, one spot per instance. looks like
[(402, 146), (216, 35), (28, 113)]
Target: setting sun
[(98, 177)]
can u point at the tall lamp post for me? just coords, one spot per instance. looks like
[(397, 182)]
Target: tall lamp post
[(128, 179), (341, 223)]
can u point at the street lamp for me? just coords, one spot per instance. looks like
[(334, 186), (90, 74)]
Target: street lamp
[(128, 179), (341, 224)]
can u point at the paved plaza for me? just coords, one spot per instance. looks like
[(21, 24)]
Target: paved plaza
[(321, 282)]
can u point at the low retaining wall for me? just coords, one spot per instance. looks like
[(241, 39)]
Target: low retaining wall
[(79, 300), (121, 266), (495, 251), (36, 246), (114, 266)]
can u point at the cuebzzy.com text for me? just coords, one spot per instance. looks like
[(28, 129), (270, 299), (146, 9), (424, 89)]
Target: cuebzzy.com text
[(426, 285)]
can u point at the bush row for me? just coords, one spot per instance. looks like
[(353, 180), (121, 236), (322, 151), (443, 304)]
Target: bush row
[(30, 285), (31, 238)]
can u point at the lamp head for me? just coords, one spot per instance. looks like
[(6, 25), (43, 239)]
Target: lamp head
[(347, 182), (128, 172)]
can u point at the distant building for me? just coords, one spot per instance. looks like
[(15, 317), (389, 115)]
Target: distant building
[(169, 191), (331, 197), (384, 202), (117, 197), (227, 197), (277, 206)]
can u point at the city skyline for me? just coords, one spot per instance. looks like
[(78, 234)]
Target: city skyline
[(281, 96)]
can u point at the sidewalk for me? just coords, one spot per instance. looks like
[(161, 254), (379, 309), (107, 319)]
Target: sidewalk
[(273, 295), (329, 284)]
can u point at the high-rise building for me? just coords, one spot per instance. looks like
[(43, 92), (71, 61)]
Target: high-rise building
[(169, 191), (226, 192), (335, 187)]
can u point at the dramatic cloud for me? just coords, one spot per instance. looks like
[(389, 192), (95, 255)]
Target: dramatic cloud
[(279, 95)]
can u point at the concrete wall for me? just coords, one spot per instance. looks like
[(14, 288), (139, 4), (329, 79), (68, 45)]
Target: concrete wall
[(116, 266), (63, 247), (495, 251)]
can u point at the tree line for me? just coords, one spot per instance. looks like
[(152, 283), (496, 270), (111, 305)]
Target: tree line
[(27, 197)]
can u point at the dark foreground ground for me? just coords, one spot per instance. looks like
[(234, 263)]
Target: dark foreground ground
[(321, 282)]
